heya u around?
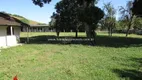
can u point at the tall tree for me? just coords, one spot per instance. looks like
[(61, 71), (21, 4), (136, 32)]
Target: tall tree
[(71, 13), (67, 13), (109, 19), (127, 15), (90, 15)]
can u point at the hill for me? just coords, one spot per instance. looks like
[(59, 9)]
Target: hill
[(31, 22), (25, 20)]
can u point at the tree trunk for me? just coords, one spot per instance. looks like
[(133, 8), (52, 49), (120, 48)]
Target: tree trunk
[(76, 33), (127, 31), (58, 33), (108, 27), (90, 34), (94, 37), (129, 26), (109, 31), (88, 30)]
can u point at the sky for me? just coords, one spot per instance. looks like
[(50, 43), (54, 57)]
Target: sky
[(116, 4), (27, 9)]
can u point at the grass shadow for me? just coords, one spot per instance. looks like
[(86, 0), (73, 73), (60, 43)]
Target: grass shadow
[(54, 40), (131, 74), (100, 41), (118, 41)]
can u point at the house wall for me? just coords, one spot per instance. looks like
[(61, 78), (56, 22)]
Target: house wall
[(9, 40), (2, 36)]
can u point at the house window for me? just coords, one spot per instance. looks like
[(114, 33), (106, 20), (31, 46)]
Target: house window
[(9, 30)]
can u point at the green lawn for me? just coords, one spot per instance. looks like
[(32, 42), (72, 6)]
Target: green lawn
[(113, 58)]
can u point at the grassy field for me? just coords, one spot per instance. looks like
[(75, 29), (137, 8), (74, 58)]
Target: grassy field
[(113, 58), (81, 34)]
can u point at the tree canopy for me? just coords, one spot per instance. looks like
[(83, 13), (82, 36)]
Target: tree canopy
[(136, 9), (109, 18), (127, 15), (42, 2)]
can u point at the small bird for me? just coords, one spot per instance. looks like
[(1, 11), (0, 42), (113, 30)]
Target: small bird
[(15, 78)]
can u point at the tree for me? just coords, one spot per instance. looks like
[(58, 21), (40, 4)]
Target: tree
[(68, 11), (90, 15), (55, 23), (76, 14), (136, 9), (109, 24), (70, 14), (127, 15), (121, 24), (41, 2), (137, 23), (109, 19)]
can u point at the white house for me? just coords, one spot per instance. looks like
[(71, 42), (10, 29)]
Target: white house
[(9, 30)]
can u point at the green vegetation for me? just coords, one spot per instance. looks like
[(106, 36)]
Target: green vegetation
[(25, 20), (31, 22), (108, 22), (77, 15), (74, 62), (85, 15), (109, 58)]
